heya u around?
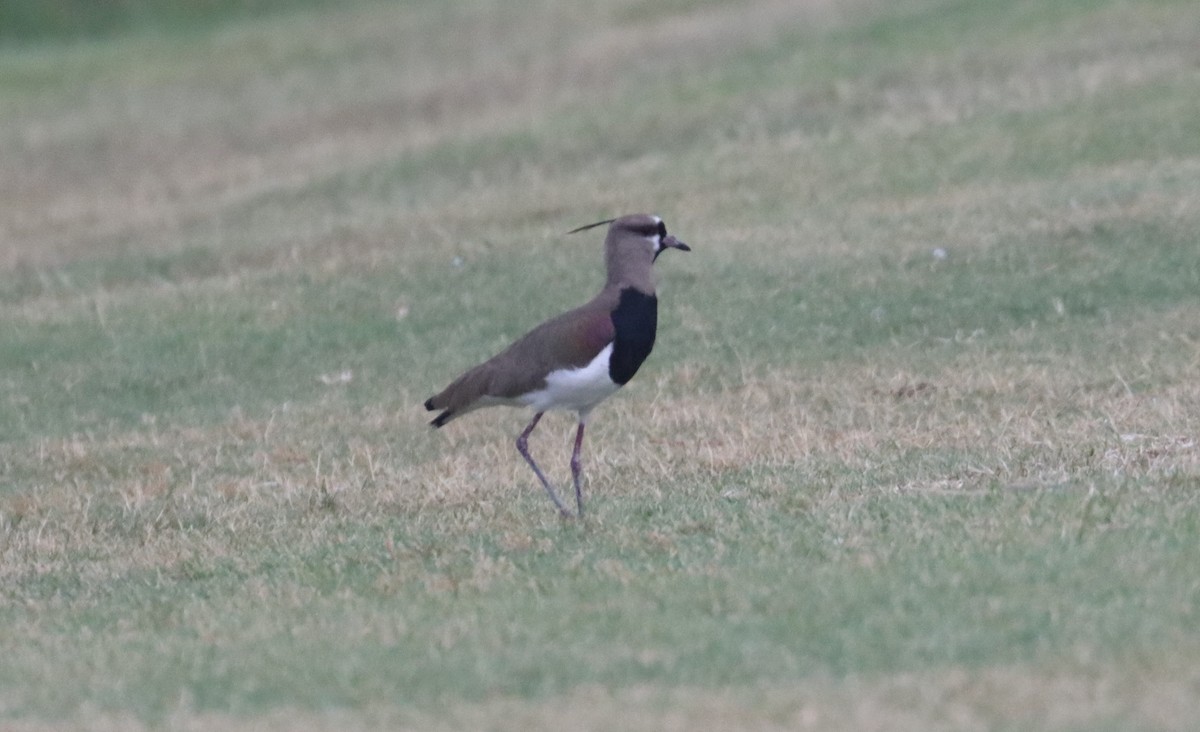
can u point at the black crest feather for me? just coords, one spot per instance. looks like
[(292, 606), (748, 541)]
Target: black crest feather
[(591, 226)]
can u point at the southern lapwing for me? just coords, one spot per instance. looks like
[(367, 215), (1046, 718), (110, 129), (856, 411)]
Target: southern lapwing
[(577, 360)]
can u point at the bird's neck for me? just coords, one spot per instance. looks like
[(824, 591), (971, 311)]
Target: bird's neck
[(631, 269)]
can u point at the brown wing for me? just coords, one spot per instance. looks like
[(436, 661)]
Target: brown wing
[(570, 340)]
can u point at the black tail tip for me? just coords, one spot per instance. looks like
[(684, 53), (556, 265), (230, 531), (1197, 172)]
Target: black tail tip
[(441, 419), (429, 405)]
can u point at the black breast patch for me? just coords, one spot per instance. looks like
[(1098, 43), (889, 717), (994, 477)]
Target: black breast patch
[(634, 321)]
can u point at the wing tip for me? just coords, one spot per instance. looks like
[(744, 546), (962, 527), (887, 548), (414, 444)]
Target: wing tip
[(442, 418)]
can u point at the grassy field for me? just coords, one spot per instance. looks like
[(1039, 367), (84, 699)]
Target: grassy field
[(917, 448)]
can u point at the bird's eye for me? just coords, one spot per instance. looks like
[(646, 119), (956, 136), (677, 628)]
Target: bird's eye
[(662, 229)]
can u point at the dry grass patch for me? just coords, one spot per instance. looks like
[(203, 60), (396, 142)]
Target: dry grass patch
[(982, 420)]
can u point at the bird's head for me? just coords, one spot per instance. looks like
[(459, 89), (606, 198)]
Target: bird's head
[(638, 233)]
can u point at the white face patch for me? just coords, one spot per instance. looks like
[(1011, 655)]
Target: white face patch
[(656, 240)]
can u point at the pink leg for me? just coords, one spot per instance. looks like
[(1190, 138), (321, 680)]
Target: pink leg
[(523, 448), (577, 468)]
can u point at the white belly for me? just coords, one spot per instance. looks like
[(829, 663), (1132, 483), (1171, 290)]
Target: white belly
[(577, 390)]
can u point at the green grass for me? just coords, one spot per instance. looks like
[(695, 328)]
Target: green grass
[(41, 20), (916, 448)]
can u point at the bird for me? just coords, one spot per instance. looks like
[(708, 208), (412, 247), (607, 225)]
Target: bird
[(578, 359)]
